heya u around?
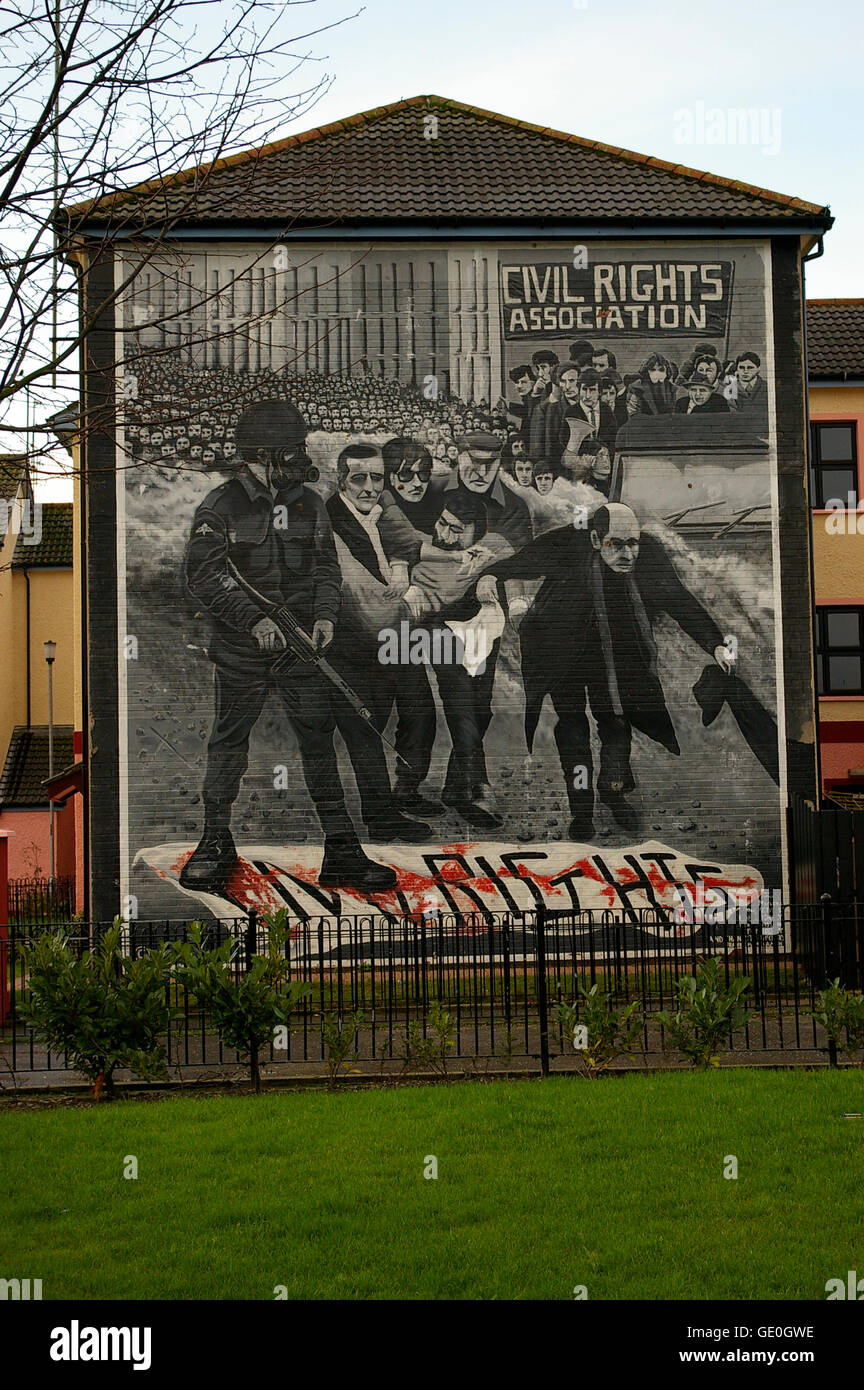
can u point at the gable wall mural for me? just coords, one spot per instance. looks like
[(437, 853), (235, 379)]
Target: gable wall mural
[(448, 578)]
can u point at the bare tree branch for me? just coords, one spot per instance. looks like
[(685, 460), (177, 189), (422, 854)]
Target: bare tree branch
[(98, 97)]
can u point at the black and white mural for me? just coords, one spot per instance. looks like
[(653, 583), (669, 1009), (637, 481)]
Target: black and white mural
[(448, 578)]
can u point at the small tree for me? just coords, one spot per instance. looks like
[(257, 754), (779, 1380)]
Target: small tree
[(340, 1040), (706, 1013), (841, 1014), (245, 1008), (101, 1007), (600, 1031), (430, 1050)]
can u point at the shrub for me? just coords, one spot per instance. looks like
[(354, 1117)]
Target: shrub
[(430, 1051), (841, 1014), (340, 1042), (706, 1013), (245, 1008), (101, 1007), (608, 1033)]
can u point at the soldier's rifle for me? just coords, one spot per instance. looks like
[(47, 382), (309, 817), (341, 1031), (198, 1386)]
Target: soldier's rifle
[(300, 647)]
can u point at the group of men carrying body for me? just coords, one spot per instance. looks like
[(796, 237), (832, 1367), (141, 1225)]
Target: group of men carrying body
[(454, 549)]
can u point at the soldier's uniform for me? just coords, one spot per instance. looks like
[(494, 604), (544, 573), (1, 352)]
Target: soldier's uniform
[(283, 546)]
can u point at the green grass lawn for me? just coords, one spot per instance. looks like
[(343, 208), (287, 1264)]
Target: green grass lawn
[(617, 1185)]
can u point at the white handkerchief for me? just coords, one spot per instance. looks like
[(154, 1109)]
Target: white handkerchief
[(478, 635)]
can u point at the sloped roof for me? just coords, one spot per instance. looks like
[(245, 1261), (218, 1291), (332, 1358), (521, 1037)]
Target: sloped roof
[(26, 766), (835, 339), (54, 547), (392, 164), (12, 468)]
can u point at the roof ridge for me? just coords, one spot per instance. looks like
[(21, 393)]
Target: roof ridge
[(377, 113), (834, 301)]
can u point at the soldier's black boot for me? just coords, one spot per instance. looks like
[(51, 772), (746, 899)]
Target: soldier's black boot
[(209, 866), (391, 826), (346, 866)]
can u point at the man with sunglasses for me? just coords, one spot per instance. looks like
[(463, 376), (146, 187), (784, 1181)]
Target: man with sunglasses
[(264, 525), (408, 469)]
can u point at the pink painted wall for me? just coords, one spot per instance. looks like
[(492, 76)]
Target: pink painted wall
[(27, 828)]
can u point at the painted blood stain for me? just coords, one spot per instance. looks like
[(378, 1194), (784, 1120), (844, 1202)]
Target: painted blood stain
[(250, 888)]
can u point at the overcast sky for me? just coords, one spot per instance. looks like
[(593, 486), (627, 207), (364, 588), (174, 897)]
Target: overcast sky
[(620, 71), (623, 72)]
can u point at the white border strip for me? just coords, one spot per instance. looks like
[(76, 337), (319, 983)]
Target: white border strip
[(120, 531)]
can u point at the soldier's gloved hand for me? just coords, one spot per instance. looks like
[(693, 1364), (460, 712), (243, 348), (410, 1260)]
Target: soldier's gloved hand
[(518, 608), (268, 636), (322, 634)]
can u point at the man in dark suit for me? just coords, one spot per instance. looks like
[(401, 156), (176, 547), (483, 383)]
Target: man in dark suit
[(748, 394), (384, 544), (523, 378), (600, 418), (588, 638), (550, 432), (612, 394)]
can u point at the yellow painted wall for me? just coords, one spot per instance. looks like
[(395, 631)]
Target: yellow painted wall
[(838, 544), (51, 617), (838, 559), (9, 655), (836, 400)]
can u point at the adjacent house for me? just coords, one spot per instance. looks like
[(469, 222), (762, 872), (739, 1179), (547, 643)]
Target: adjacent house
[(36, 606), (835, 355)]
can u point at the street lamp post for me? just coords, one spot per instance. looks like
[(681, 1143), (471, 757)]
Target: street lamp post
[(50, 653)]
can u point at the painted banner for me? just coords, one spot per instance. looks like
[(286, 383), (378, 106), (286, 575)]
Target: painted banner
[(637, 298)]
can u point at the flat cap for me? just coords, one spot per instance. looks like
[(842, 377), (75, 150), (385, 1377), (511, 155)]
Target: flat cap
[(481, 442)]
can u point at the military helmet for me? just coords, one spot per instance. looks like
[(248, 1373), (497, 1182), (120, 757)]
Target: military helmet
[(269, 425)]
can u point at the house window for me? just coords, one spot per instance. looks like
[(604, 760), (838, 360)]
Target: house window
[(840, 651), (833, 465)]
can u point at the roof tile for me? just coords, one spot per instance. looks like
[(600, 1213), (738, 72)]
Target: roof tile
[(26, 766), (377, 166), (54, 547), (835, 338)]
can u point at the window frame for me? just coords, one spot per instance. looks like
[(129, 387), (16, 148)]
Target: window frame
[(824, 650), (816, 465)]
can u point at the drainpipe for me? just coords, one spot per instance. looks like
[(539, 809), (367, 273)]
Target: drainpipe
[(811, 256), (27, 633)]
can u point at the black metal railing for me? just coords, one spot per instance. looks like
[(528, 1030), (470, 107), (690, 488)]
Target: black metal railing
[(497, 978), (35, 901)]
